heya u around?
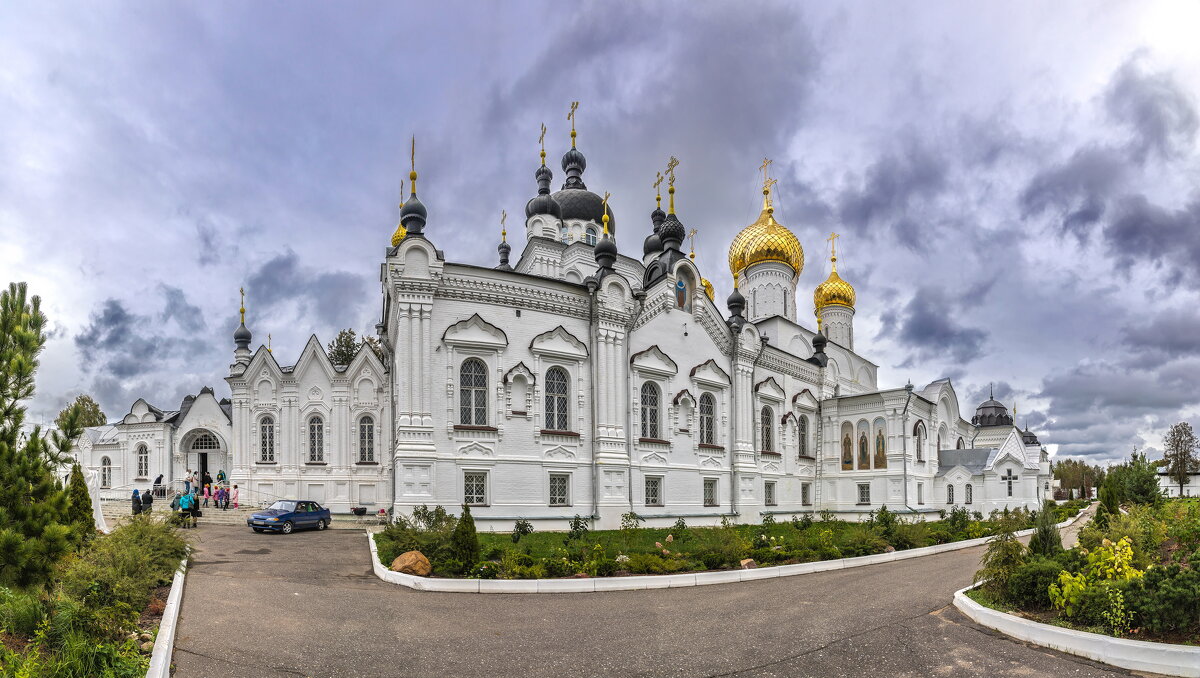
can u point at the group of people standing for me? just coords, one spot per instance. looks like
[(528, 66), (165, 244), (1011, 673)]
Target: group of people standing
[(204, 490), (143, 502)]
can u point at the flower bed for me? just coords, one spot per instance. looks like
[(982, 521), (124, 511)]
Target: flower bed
[(635, 550), (1135, 574)]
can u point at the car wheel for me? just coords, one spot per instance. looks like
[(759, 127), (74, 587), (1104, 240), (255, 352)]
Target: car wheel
[(287, 527), (322, 524)]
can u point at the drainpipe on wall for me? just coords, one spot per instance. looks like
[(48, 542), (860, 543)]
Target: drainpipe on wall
[(639, 298), (595, 394), (904, 442)]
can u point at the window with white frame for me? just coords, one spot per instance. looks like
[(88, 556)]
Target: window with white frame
[(967, 492), (366, 440), (769, 493), (654, 491), (803, 431), (806, 494), (767, 429), (590, 235), (556, 400), (920, 493), (266, 439), (919, 436), (864, 493), (472, 393), (205, 441), (143, 462), (1009, 479), (316, 440), (949, 494), (710, 492), (105, 472), (708, 428), (650, 410), (475, 488), (560, 489)]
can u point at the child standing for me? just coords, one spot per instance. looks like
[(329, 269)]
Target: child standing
[(207, 494), (235, 496)]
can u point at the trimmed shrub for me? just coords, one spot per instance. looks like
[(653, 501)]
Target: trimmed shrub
[(1166, 600), (1029, 584), (464, 542)]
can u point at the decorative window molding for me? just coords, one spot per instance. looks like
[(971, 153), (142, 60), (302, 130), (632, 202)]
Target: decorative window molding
[(475, 332), (557, 400), (559, 343), (651, 411), (472, 393), (654, 361)]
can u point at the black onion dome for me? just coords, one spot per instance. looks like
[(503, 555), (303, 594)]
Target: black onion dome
[(672, 232), (542, 203), (606, 252), (1029, 437), (657, 217), (819, 342), (652, 245), (736, 302), (242, 336), (584, 205), (413, 215), (573, 159)]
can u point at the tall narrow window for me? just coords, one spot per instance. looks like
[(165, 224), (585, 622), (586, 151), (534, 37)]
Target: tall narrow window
[(105, 472), (316, 440), (266, 440), (472, 390), (1009, 479), (967, 491), (366, 440), (769, 493), (710, 492), (590, 235), (560, 489), (803, 430), (143, 462), (767, 424), (880, 449), (920, 493), (650, 402), (959, 444), (864, 493), (806, 494), (919, 438), (654, 495), (949, 494), (864, 452), (707, 425), (556, 400)]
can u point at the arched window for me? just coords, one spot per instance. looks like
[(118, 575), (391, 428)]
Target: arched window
[(939, 443), (803, 429), (967, 494), (847, 453), (563, 232), (266, 439), (864, 452), (105, 472), (767, 425), (650, 402), (205, 441), (949, 494), (143, 462), (708, 427), (590, 235), (919, 436), (556, 400), (472, 393), (959, 444), (316, 439), (366, 440), (880, 449)]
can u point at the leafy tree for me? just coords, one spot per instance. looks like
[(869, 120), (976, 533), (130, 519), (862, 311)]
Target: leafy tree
[(344, 347), (1179, 453), (79, 508), (373, 342), (33, 505), (90, 413), (1073, 474)]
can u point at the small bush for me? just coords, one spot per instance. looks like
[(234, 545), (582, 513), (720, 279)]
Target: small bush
[(910, 536), (579, 528), (1029, 584), (680, 527), (20, 612), (861, 540), (521, 528), (464, 542), (121, 568), (1166, 600), (1046, 541)]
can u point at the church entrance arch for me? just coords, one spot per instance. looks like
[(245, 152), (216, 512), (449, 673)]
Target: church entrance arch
[(206, 453)]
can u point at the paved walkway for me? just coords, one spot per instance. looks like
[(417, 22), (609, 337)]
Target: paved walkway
[(308, 605)]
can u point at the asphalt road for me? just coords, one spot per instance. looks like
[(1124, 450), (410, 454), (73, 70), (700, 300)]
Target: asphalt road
[(308, 605)]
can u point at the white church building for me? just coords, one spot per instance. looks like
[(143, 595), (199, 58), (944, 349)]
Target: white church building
[(578, 380)]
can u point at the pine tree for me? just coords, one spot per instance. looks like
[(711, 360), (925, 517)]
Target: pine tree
[(90, 413), (1179, 452), (1046, 540), (33, 504), (79, 509), (344, 347), (464, 542)]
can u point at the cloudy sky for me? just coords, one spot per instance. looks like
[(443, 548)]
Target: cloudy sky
[(1016, 185)]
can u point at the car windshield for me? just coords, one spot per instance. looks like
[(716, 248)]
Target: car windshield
[(288, 506)]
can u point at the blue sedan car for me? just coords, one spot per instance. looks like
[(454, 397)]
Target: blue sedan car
[(287, 515)]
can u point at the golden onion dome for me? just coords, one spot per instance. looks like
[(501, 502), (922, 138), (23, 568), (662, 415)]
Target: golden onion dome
[(399, 235), (708, 289), (834, 290), (765, 240)]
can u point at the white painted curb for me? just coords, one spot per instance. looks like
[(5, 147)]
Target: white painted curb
[(659, 581), (1136, 655), (164, 641)]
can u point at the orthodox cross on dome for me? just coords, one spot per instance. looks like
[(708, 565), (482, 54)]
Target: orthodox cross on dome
[(268, 343), (604, 211), (658, 177), (571, 117), (671, 165), (402, 193), (542, 143), (833, 249), (503, 233), (768, 182), (242, 310), (692, 237), (412, 158)]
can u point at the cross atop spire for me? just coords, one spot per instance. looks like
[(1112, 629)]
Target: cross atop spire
[(542, 143), (692, 237), (604, 211), (503, 233), (671, 165), (991, 393), (412, 158), (833, 249), (658, 177), (571, 117), (242, 310)]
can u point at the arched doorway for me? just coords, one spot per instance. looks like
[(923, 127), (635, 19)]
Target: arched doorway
[(205, 453)]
